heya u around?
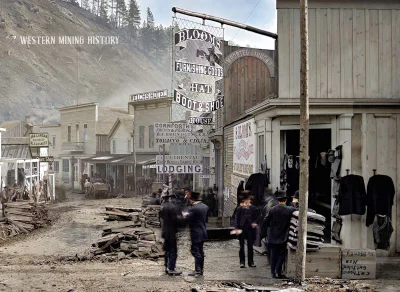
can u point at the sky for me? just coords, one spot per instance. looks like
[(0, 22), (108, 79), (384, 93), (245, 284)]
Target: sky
[(263, 16)]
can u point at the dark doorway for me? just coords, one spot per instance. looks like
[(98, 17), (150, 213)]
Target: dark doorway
[(319, 179)]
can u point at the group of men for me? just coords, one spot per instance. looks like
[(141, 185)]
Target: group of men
[(275, 227)]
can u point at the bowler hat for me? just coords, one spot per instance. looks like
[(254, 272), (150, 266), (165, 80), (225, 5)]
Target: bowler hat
[(296, 195), (280, 195)]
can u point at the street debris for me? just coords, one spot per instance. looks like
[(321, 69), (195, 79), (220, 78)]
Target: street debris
[(147, 217), (151, 215), (23, 217)]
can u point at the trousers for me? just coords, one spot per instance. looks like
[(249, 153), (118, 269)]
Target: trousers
[(197, 250), (278, 253), (171, 253), (249, 235)]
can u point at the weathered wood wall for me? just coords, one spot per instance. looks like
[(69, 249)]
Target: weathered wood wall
[(354, 53)]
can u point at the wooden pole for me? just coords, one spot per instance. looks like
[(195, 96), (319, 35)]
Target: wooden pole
[(304, 140)]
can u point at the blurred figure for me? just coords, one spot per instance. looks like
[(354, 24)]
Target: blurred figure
[(155, 200), (210, 200)]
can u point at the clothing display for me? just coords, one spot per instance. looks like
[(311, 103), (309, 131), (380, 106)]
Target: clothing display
[(315, 231), (352, 196), (336, 228), (380, 196), (383, 230), (257, 183)]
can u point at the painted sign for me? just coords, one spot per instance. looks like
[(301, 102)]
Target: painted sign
[(206, 176), (179, 159), (186, 67), (39, 140), (201, 88), (149, 95), (198, 106), (45, 159), (244, 158), (358, 264), (178, 133), (196, 34), (180, 169), (149, 166), (200, 121)]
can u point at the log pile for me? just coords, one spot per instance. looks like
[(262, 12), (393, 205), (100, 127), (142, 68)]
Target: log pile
[(23, 217), (151, 216), (124, 214), (129, 241)]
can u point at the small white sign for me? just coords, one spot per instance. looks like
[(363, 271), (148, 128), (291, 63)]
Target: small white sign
[(178, 133), (200, 121), (149, 95), (180, 169), (179, 159), (39, 140), (150, 166), (204, 176)]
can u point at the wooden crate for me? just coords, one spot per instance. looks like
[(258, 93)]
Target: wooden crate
[(358, 264), (323, 263)]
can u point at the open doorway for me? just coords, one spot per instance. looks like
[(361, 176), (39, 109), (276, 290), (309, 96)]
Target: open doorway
[(320, 141)]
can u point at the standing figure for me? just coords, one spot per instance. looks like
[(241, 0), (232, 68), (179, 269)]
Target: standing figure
[(197, 218), (245, 226), (170, 222), (278, 222), (111, 183)]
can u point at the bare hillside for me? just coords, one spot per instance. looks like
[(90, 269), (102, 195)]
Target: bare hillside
[(37, 79)]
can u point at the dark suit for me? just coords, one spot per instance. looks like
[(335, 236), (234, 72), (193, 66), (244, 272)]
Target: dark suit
[(278, 222), (197, 219), (245, 217), (352, 196), (171, 219)]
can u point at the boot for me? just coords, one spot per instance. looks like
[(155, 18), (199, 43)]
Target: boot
[(174, 272), (197, 272)]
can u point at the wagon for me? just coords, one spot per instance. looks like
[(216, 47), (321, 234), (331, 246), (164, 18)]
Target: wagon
[(96, 190)]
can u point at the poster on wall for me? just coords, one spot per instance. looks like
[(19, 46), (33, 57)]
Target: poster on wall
[(244, 158)]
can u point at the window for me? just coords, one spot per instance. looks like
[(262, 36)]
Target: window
[(56, 166), (54, 142), (114, 146), (141, 137), (69, 133), (85, 132), (151, 136), (77, 133), (129, 146), (261, 149), (65, 165)]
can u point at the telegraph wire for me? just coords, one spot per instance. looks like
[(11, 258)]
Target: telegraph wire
[(246, 19)]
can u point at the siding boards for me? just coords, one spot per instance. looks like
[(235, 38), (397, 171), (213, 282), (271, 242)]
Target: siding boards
[(354, 53), (229, 203)]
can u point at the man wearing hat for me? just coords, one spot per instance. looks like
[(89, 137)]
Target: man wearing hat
[(278, 223), (197, 219), (295, 200), (170, 222)]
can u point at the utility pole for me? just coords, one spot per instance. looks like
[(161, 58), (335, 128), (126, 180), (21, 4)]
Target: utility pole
[(304, 122)]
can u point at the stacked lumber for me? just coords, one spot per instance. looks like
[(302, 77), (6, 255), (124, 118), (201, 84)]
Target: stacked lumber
[(129, 240), (26, 216), (152, 216), (114, 213)]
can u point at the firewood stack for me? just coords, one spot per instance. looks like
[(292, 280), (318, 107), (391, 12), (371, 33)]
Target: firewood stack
[(129, 240), (124, 214), (151, 215)]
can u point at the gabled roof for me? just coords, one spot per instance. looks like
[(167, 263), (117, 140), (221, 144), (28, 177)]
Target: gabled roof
[(10, 124), (124, 121), (107, 118)]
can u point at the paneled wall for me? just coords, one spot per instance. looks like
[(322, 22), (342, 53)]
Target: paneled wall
[(353, 53)]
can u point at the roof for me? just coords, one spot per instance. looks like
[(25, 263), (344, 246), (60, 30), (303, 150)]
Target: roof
[(141, 159), (106, 158), (15, 141), (78, 106), (15, 151), (10, 124), (107, 118), (126, 122)]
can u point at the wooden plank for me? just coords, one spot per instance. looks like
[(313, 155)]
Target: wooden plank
[(312, 53), (393, 41), (16, 212), (296, 54), (329, 52), (359, 39), (336, 82), (323, 71), (342, 49), (284, 47), (367, 54), (385, 54), (397, 184), (396, 54), (19, 218), (318, 52), (347, 54), (373, 84), (292, 45), (358, 264)]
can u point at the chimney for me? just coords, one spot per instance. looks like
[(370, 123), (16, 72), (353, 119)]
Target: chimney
[(28, 119)]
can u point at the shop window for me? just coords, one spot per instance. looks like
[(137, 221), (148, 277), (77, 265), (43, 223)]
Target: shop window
[(114, 146), (54, 142), (129, 146), (56, 166), (85, 132), (77, 132), (151, 136), (141, 137), (69, 133), (65, 165)]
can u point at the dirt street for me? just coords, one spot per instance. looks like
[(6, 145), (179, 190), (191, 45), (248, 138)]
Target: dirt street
[(45, 259)]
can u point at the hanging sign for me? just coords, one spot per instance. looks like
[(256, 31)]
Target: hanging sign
[(39, 140), (149, 95), (45, 159), (149, 166), (244, 158), (178, 133), (179, 159), (180, 169), (186, 67), (196, 34), (198, 106), (200, 121)]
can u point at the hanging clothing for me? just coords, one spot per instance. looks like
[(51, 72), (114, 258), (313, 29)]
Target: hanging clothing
[(257, 183), (383, 230), (335, 158), (352, 196), (380, 196), (293, 174), (240, 188)]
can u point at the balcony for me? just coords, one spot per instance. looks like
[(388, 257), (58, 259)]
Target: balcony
[(73, 147)]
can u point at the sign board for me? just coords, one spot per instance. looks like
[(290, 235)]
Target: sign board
[(358, 264), (180, 164), (149, 95), (180, 169), (198, 106), (205, 176), (178, 133), (39, 140), (200, 121), (149, 166), (244, 158), (45, 159)]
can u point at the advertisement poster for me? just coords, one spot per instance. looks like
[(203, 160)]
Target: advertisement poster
[(244, 157)]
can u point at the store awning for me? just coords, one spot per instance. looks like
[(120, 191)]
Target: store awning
[(107, 158), (141, 159)]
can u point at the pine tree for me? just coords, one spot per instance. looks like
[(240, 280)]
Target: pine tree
[(150, 18), (104, 10), (161, 44), (85, 4), (133, 19)]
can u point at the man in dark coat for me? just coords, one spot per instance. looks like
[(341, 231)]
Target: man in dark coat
[(197, 219), (170, 222), (278, 222)]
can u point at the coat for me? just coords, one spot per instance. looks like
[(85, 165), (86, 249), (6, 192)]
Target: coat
[(380, 196), (171, 219), (197, 220), (278, 223), (257, 183), (352, 196), (245, 216)]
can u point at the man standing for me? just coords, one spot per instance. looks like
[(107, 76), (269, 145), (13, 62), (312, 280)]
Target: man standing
[(197, 218), (170, 222), (278, 223)]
